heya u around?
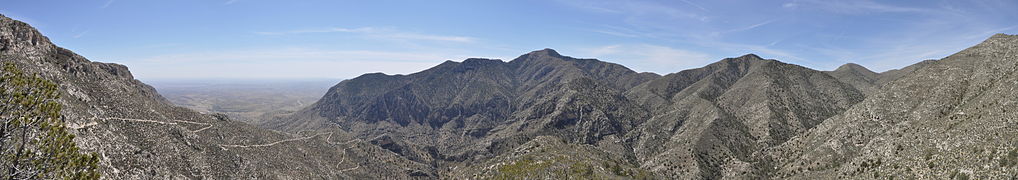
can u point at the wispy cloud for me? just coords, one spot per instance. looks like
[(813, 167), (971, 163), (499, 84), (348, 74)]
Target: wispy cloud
[(742, 48), (107, 4), (695, 5), (378, 33), (615, 33), (647, 57), (754, 26), (631, 32), (853, 6), (746, 28), (931, 36), (415, 36), (919, 45), (78, 35), (636, 8), (322, 30), (230, 2)]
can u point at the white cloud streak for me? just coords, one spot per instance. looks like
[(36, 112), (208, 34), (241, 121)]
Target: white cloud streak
[(377, 33), (754, 26), (78, 35), (107, 4), (854, 6), (634, 8), (616, 33), (323, 30), (695, 5), (647, 57), (428, 37)]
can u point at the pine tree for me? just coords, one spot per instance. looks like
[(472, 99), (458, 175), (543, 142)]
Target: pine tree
[(34, 142)]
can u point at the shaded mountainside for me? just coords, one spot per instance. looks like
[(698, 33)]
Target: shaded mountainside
[(712, 122), (953, 118), (461, 110), (708, 122), (140, 135)]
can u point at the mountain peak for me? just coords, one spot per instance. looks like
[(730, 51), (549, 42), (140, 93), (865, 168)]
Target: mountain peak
[(852, 67), (545, 51), (746, 59), (1002, 35), (996, 45), (481, 61), (999, 39), (857, 76), (750, 56)]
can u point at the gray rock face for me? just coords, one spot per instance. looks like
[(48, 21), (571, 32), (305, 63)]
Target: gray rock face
[(953, 118), (458, 111), (713, 122), (139, 135), (709, 122)]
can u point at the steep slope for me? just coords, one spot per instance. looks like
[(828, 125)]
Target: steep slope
[(894, 74), (856, 75), (868, 81), (139, 135), (712, 122), (952, 118), (458, 111)]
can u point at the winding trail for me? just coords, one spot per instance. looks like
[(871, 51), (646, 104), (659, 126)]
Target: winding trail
[(328, 140), (358, 165), (202, 129), (79, 126), (224, 146), (207, 125), (350, 169), (93, 123), (145, 120)]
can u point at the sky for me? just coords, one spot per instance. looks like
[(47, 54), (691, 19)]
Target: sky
[(194, 39)]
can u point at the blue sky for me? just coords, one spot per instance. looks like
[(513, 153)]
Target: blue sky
[(343, 39)]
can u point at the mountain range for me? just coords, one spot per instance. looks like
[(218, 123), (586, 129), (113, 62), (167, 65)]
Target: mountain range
[(544, 115)]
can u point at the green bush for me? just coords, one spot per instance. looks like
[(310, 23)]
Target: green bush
[(34, 142)]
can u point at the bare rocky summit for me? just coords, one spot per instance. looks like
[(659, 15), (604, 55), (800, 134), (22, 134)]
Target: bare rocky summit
[(859, 77)]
